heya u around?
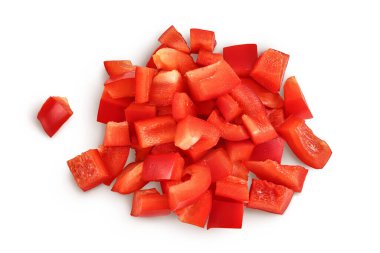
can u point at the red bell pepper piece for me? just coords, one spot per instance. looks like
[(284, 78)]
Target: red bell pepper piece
[(269, 197), (155, 131), (205, 58), (211, 81), (269, 99), (234, 188), (269, 69), (163, 167), (204, 108), (276, 117), (182, 106), (88, 169), (53, 114), (309, 148), (116, 68), (239, 150), (196, 133), (241, 58), (202, 40), (290, 176), (164, 148), (130, 179), (112, 109), (114, 159), (259, 129), (117, 134), (171, 59), (144, 78), (173, 39), (135, 112), (149, 202), (229, 108), (141, 153), (186, 193), (270, 150), (219, 164), (228, 130), (295, 103), (198, 212), (195, 154), (239, 170), (150, 63), (165, 85), (225, 214), (121, 86)]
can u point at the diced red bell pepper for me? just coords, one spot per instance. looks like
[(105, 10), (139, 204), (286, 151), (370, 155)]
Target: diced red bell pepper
[(202, 40), (248, 101), (171, 59), (239, 170), (187, 192), (195, 154), (269, 69), (270, 150), (117, 134), (116, 68), (228, 130), (234, 188), (165, 184), (211, 81), (164, 148), (53, 114), (114, 159), (130, 179), (259, 129), (225, 214), (144, 78), (239, 150), (219, 164), (135, 112), (182, 106), (155, 131), (276, 117), (269, 99), (141, 153), (164, 110), (196, 133), (308, 147), (88, 169), (205, 58), (163, 167), (165, 85), (150, 63), (112, 109), (295, 103), (241, 58), (173, 39), (269, 197), (291, 176), (198, 212), (204, 108), (149, 202), (229, 108), (121, 86)]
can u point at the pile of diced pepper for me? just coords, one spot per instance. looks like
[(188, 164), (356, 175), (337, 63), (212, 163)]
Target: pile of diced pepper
[(199, 127)]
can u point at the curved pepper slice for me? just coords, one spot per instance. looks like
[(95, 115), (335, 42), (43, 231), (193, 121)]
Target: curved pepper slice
[(309, 148), (291, 176), (149, 202), (186, 193), (228, 131)]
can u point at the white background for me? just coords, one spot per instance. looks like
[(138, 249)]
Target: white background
[(50, 48)]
